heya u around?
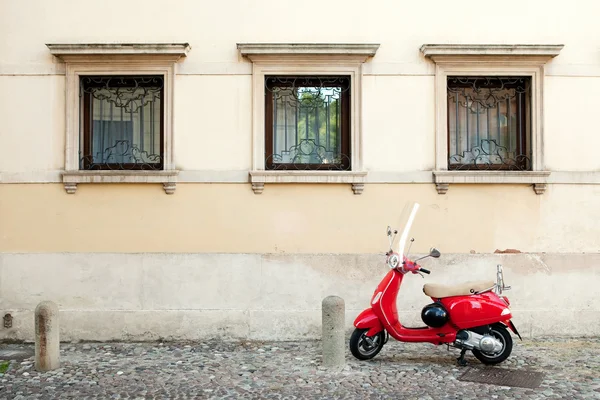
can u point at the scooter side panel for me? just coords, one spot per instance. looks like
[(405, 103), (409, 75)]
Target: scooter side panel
[(437, 336), (476, 310), (368, 320)]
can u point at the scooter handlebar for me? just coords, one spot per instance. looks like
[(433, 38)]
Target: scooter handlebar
[(425, 271)]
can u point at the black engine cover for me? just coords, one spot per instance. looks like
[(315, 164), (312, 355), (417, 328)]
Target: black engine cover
[(434, 315)]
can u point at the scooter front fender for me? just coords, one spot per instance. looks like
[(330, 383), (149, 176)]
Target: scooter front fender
[(368, 320)]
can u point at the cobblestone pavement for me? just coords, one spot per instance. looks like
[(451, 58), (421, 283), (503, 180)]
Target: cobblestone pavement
[(291, 370)]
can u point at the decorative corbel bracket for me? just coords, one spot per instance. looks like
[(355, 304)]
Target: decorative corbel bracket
[(441, 188), (540, 188), (358, 188), (258, 187)]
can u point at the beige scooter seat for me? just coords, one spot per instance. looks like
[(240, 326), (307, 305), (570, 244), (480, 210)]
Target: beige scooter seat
[(439, 291)]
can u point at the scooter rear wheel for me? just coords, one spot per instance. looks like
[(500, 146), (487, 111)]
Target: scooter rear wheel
[(502, 334), (364, 347)]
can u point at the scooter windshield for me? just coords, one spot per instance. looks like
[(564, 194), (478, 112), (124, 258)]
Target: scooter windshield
[(405, 222)]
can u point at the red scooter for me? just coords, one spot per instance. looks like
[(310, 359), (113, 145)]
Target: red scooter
[(471, 316)]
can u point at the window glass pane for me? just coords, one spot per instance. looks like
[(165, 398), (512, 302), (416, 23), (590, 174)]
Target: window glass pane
[(487, 123), (308, 118), (123, 122)]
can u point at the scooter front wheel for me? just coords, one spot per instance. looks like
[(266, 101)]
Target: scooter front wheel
[(364, 347)]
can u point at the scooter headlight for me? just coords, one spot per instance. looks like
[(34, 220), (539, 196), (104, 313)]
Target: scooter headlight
[(393, 260)]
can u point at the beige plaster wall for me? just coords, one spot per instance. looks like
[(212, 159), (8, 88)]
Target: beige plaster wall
[(294, 218)]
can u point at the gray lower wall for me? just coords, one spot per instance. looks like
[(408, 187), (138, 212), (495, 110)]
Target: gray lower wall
[(105, 296)]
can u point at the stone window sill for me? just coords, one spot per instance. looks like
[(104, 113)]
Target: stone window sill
[(538, 179), (259, 178), (167, 178)]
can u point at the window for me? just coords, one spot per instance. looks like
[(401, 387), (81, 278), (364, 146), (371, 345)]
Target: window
[(121, 120), (306, 113), (307, 123), (488, 110), (119, 112), (488, 123)]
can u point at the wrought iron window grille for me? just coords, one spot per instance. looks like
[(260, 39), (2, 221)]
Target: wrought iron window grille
[(307, 123), (488, 123), (121, 156), (121, 123)]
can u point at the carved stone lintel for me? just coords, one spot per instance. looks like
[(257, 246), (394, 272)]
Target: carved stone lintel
[(258, 187), (169, 187), (358, 188), (91, 51), (498, 50), (441, 188), (540, 188), (70, 187)]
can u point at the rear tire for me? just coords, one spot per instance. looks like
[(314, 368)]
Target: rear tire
[(500, 332), (364, 347)]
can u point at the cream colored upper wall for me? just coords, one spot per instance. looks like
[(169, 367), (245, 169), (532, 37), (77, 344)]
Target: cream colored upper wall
[(32, 123), (213, 115), (213, 122), (572, 136), (399, 123), (213, 28)]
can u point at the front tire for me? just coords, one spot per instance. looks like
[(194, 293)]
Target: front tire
[(500, 332), (364, 347)]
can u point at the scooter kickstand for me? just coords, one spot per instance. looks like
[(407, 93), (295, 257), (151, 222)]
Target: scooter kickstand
[(461, 360)]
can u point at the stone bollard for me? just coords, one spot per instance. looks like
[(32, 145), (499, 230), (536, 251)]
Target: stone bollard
[(333, 320), (47, 345)]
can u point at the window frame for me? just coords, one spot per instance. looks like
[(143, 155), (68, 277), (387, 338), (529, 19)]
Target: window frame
[(345, 100), (283, 59), (86, 133), (489, 60), (117, 60), (521, 145)]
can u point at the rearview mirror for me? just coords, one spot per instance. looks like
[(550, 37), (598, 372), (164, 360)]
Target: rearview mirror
[(433, 252)]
